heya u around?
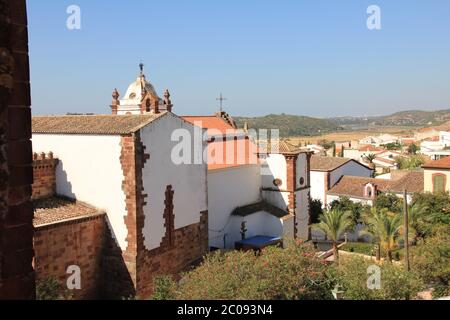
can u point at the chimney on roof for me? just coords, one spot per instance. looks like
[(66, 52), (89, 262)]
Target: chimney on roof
[(115, 102), (44, 175)]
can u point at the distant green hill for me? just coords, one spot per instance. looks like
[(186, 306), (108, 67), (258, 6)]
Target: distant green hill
[(289, 125), (402, 118)]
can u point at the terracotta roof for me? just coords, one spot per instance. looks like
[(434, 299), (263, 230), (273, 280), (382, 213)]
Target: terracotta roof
[(369, 148), (225, 154), (54, 210), (413, 181), (321, 163), (257, 207), (283, 147), (211, 123), (92, 124), (443, 163), (354, 186)]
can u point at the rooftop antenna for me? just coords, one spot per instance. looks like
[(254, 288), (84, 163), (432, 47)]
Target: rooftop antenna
[(221, 99)]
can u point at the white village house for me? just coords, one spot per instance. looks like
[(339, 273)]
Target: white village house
[(327, 171)]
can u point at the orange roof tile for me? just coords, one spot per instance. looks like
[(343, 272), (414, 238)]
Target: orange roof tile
[(212, 123), (443, 163), (231, 153)]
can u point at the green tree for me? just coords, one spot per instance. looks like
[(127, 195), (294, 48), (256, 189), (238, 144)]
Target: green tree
[(334, 223), (292, 273), (413, 148), (389, 201), (316, 210), (396, 282), (385, 228), (345, 204), (393, 146), (409, 163)]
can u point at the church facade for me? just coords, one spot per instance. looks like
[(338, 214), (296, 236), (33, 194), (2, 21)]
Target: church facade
[(161, 216)]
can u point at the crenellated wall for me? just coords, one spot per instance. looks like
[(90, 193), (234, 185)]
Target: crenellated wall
[(44, 177)]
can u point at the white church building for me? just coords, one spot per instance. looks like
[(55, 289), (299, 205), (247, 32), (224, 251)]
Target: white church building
[(162, 214)]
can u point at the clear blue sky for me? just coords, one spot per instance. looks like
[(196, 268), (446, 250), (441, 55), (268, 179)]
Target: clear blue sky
[(305, 57)]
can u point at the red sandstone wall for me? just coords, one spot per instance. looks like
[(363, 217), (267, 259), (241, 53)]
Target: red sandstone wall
[(44, 178), (16, 213), (132, 272), (78, 242)]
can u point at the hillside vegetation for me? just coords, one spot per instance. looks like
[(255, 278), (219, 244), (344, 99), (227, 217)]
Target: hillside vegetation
[(417, 118), (289, 125)]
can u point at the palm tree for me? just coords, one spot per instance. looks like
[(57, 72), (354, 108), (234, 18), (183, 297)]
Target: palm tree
[(385, 227), (370, 157), (334, 223), (418, 221)]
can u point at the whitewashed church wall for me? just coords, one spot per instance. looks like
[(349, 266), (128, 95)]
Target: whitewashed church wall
[(188, 181), (228, 189), (302, 210), (301, 169), (257, 224), (90, 171), (318, 186), (274, 167)]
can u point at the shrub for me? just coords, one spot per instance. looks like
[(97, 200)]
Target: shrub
[(164, 288), (291, 273), (431, 261), (345, 204), (316, 210), (396, 283), (389, 201), (50, 289)]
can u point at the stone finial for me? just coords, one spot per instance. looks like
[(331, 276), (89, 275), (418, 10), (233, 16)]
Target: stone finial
[(115, 96), (50, 155), (43, 156), (167, 101)]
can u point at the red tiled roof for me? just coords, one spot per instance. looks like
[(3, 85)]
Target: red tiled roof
[(443, 163), (231, 153), (369, 147), (54, 210), (92, 124), (433, 139), (212, 123), (354, 186)]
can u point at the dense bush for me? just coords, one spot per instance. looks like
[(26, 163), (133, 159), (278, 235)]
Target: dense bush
[(396, 283), (51, 289), (316, 210), (409, 163), (345, 204), (431, 261), (359, 247), (294, 272), (389, 201)]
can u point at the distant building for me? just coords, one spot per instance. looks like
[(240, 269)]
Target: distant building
[(327, 171), (379, 140), (437, 175), (425, 133), (436, 147), (365, 190)]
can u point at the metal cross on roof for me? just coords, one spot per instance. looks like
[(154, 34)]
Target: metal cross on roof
[(221, 99)]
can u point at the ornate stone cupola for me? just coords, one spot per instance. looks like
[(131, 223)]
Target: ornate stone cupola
[(140, 98)]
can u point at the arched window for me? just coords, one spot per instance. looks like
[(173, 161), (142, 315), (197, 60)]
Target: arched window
[(148, 105), (439, 181)]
